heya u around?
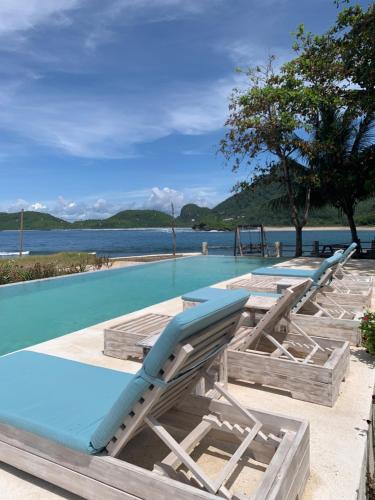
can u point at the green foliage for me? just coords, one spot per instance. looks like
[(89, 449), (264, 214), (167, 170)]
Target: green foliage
[(191, 213), (128, 219), (345, 160), (48, 266), (340, 65), (368, 331), (32, 220), (256, 204)]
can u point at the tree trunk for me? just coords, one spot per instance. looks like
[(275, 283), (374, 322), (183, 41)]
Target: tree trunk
[(299, 249), (353, 227), (292, 204)]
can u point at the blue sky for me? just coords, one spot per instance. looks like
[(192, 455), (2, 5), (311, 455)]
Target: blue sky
[(114, 104)]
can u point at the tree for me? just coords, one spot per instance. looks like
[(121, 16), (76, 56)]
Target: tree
[(345, 161), (267, 123), (340, 64)]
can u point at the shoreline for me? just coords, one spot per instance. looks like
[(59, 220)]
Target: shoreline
[(319, 228), (167, 229)]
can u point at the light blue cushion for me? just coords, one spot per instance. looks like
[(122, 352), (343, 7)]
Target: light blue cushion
[(300, 273), (210, 293), (283, 271), (56, 398), (326, 264), (350, 248), (189, 322)]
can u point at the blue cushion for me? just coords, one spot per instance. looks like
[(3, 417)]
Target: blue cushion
[(283, 271), (189, 322), (56, 398), (300, 273), (210, 293), (325, 265), (350, 248)]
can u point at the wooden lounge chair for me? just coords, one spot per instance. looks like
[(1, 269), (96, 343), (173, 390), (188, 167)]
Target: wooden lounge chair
[(280, 353), (343, 275), (343, 291), (321, 315), (298, 273), (330, 300), (88, 429)]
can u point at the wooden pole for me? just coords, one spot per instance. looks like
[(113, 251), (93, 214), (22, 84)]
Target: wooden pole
[(262, 240), (173, 231), (21, 232)]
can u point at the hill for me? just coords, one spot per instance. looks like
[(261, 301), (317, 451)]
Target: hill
[(253, 207), (31, 220), (127, 219)]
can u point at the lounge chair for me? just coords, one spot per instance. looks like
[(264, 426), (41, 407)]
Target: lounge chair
[(280, 353), (314, 274), (324, 308), (319, 312), (68, 422), (125, 339), (276, 279)]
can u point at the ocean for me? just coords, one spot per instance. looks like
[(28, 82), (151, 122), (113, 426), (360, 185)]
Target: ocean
[(119, 242)]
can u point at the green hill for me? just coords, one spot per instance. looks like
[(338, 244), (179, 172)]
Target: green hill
[(127, 219), (31, 220), (254, 207)]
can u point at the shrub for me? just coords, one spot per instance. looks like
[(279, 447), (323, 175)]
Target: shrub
[(47, 266), (368, 331)]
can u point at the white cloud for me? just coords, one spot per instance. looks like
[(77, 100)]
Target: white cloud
[(161, 199), (93, 128), (19, 15), (37, 206)]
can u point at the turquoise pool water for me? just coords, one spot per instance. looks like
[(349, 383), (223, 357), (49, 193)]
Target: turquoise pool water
[(37, 311)]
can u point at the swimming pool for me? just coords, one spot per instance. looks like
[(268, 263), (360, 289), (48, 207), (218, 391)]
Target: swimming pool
[(41, 310)]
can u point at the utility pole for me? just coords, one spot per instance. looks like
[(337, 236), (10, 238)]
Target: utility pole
[(21, 232), (173, 230)]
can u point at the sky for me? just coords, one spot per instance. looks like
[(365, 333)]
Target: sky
[(117, 104)]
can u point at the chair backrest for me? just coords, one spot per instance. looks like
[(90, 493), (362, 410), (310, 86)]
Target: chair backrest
[(348, 253), (314, 289), (282, 307), (330, 263), (184, 351)]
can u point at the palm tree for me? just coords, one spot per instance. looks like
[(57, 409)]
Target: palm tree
[(345, 160)]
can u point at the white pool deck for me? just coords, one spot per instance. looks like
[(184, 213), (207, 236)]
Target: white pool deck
[(338, 435)]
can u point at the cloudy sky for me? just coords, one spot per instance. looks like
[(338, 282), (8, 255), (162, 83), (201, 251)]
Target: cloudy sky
[(115, 104)]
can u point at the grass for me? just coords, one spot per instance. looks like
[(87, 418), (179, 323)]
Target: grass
[(34, 267)]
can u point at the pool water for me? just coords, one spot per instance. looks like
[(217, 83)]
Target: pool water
[(37, 311)]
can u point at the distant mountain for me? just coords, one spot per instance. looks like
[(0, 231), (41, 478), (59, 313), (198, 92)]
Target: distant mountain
[(244, 208), (127, 219), (253, 207), (32, 220)]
